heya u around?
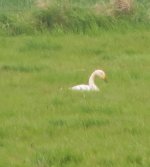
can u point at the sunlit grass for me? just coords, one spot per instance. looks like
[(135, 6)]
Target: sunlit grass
[(43, 123)]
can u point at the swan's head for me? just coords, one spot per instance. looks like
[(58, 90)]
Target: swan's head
[(101, 74)]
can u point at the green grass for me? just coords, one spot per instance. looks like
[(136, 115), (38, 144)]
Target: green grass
[(82, 16), (44, 124), (15, 5)]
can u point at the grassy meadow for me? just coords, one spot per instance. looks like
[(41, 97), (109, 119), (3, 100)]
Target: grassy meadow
[(45, 50), (44, 124)]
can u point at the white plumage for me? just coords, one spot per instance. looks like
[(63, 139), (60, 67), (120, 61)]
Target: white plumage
[(91, 86)]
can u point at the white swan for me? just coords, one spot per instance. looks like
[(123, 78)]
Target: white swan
[(91, 86)]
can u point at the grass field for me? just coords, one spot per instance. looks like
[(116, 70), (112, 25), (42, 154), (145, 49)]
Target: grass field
[(44, 124), (74, 16)]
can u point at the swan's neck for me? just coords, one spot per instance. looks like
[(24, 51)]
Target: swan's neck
[(92, 80)]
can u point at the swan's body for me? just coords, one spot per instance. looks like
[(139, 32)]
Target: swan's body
[(91, 86)]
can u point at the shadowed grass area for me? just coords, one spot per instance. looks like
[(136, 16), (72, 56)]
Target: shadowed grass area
[(43, 123), (19, 68), (57, 158)]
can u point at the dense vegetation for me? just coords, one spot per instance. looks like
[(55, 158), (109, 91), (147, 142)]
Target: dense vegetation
[(28, 16)]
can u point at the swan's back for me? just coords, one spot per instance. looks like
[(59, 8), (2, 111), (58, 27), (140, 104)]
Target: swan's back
[(84, 88)]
